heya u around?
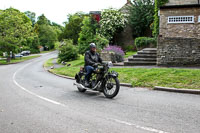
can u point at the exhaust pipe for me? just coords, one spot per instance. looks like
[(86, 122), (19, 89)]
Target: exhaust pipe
[(83, 87), (79, 86)]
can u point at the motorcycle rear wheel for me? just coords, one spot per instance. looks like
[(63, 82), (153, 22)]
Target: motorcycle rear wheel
[(108, 89)]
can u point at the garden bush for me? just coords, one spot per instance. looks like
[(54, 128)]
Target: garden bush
[(100, 41), (68, 51), (128, 48), (142, 42), (119, 53)]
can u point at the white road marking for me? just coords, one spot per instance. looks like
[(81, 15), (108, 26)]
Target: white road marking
[(36, 95), (138, 126), (58, 103)]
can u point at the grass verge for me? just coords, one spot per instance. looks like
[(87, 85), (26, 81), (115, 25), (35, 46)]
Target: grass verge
[(17, 60), (48, 63), (144, 77)]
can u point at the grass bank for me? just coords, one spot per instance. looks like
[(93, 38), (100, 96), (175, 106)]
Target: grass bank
[(145, 77), (48, 63), (17, 60), (129, 53)]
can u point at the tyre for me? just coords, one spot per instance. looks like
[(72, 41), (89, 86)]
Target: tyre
[(80, 80), (112, 87)]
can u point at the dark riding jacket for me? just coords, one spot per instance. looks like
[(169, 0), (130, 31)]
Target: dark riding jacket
[(92, 58)]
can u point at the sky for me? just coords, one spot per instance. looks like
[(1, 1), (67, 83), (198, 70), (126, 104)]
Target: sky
[(57, 10)]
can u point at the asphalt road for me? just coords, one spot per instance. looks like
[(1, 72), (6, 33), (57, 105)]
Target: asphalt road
[(35, 101)]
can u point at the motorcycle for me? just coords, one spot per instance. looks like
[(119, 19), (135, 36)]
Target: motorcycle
[(101, 80)]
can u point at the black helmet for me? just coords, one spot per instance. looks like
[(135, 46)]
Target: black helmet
[(92, 45)]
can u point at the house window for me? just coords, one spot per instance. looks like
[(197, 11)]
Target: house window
[(181, 19), (199, 19)]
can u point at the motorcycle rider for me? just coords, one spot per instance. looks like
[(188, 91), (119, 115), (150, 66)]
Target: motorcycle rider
[(92, 59)]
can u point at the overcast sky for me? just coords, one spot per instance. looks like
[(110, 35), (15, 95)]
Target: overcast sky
[(57, 10)]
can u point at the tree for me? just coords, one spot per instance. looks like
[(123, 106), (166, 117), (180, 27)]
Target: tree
[(112, 21), (86, 35), (58, 29), (47, 36), (141, 16), (73, 27), (15, 27), (89, 35), (43, 20), (31, 16)]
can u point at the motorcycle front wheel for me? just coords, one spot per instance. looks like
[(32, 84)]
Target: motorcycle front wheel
[(111, 88)]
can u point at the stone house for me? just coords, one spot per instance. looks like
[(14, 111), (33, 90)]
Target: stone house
[(179, 37), (126, 36)]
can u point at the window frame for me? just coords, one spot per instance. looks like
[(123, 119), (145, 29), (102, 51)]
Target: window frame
[(179, 18)]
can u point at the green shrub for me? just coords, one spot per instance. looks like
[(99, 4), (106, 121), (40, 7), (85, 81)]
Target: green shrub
[(142, 42), (68, 51), (1, 53), (57, 45), (34, 51), (100, 41), (129, 48)]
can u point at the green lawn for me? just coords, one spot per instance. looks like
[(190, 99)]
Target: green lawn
[(130, 53), (144, 77), (18, 59), (49, 63)]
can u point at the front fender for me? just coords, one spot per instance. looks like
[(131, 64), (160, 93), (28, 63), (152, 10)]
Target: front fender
[(113, 74)]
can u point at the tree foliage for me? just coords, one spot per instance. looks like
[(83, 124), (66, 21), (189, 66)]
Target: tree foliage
[(32, 16), (43, 20), (48, 32), (73, 27), (89, 35), (112, 21), (141, 16), (15, 27), (47, 36)]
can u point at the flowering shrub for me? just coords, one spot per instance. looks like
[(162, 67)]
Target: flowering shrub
[(119, 53), (115, 49), (112, 20)]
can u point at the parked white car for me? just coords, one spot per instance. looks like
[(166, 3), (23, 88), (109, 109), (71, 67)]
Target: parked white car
[(24, 53)]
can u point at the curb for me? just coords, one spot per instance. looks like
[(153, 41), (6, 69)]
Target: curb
[(67, 77), (188, 91)]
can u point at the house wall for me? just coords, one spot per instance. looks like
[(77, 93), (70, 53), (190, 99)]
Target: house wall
[(179, 44), (178, 51), (180, 30), (182, 2)]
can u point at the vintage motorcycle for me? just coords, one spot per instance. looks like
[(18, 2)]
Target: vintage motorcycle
[(101, 80)]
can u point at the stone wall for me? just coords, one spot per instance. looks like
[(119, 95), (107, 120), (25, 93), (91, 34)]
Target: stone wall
[(178, 51), (182, 2), (179, 30)]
